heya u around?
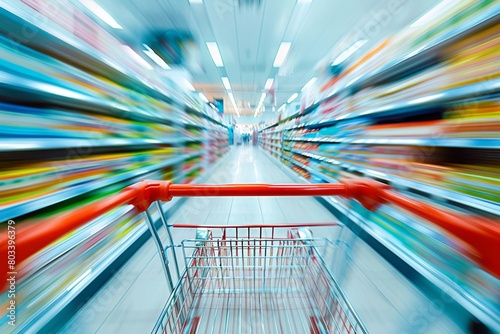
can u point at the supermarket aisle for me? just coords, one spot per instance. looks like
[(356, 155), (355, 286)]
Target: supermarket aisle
[(384, 299), (133, 299)]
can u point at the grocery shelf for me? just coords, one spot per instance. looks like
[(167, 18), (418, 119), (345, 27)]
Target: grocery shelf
[(485, 143), (204, 115), (51, 40), (315, 157), (416, 105), (87, 284), (483, 88), (184, 173), (312, 171), (441, 194), (274, 145), (19, 89), (416, 58), (302, 113), (274, 131), (22, 208), (31, 144)]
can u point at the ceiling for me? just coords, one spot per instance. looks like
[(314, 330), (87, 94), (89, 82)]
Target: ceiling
[(249, 33)]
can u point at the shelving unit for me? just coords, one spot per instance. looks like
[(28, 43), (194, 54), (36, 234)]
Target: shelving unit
[(426, 123), (81, 121)]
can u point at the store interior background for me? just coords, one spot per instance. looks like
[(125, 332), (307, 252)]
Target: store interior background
[(96, 95)]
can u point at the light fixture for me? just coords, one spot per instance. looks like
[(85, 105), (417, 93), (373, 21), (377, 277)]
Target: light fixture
[(101, 13), (203, 97), (214, 52), (195, 1), (154, 57), (431, 14), (261, 102), (262, 98), (233, 102), (282, 53), (225, 81), (309, 84), (349, 52), (269, 83), (128, 50), (189, 85), (282, 108), (292, 98)]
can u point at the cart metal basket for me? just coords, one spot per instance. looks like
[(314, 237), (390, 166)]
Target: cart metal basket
[(243, 281)]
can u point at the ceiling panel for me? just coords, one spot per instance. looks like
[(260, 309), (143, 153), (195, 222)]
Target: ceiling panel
[(249, 36)]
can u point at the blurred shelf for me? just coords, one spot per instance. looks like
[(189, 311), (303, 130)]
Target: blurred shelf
[(441, 194), (206, 116), (51, 39), (274, 131), (22, 208), (312, 171), (17, 89), (484, 88), (274, 145), (414, 59), (485, 143), (32, 144), (179, 178), (416, 105)]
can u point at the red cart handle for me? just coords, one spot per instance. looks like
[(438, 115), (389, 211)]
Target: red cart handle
[(482, 235)]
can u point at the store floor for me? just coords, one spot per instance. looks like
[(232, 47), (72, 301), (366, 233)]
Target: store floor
[(133, 299)]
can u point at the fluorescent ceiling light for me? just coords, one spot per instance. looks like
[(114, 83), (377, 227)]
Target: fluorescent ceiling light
[(282, 53), (225, 81), (203, 97), (128, 50), (101, 13), (233, 102), (292, 98), (262, 97), (431, 14), (269, 83), (309, 83), (189, 85), (261, 102), (349, 52), (214, 52), (195, 1), (154, 57)]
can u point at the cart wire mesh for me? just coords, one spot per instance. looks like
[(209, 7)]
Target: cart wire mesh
[(257, 285)]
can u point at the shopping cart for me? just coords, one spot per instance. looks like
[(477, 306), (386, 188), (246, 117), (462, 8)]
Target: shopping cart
[(256, 278)]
